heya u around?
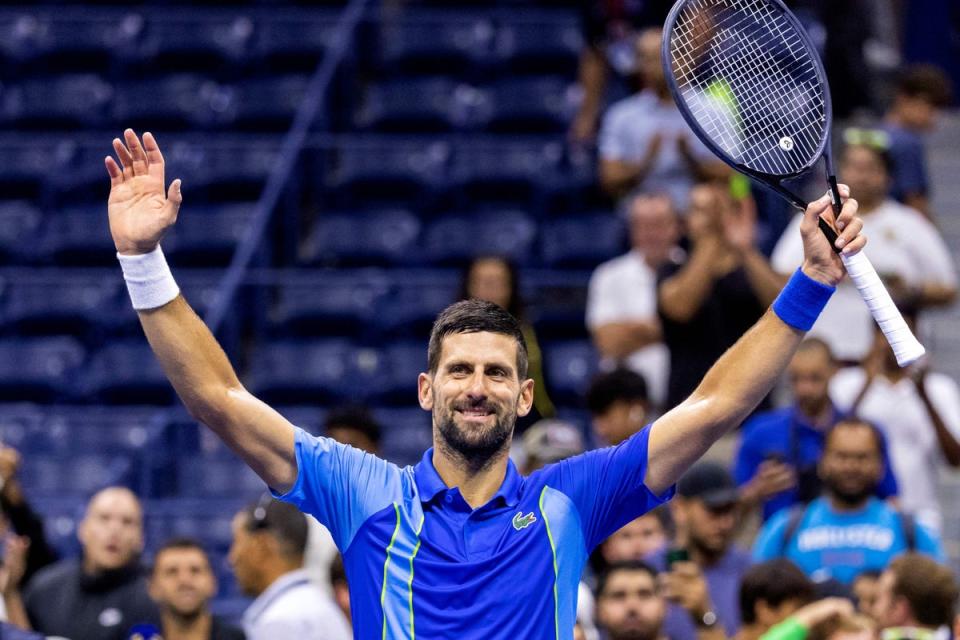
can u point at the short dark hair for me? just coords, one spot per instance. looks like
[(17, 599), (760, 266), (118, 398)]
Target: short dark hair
[(928, 586), (515, 304), (854, 422), (355, 417), (338, 574), (774, 582), (626, 565), (928, 82), (816, 344), (282, 521), (181, 542), (614, 386), (475, 316)]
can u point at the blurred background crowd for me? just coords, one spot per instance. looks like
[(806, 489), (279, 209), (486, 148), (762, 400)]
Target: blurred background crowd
[(351, 168)]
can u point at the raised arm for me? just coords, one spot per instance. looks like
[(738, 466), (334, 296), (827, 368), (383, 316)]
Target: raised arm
[(140, 212), (748, 370)]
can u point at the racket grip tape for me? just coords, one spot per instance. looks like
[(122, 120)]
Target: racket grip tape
[(905, 345)]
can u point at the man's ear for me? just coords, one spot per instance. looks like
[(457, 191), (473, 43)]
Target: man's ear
[(425, 391), (525, 401)]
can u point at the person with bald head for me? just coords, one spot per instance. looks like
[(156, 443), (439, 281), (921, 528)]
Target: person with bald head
[(101, 595)]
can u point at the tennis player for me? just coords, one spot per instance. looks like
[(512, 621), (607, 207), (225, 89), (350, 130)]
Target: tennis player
[(459, 545)]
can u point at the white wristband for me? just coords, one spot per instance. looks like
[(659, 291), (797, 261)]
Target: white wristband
[(149, 280)]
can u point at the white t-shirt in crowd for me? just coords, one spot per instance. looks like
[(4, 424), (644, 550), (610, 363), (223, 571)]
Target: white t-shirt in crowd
[(901, 243), (294, 607), (627, 130), (319, 554), (625, 290), (913, 447)]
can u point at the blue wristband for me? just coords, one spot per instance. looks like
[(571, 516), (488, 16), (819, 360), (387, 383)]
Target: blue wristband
[(802, 300)]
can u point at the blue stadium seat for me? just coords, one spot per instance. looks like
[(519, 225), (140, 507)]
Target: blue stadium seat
[(78, 236), (37, 369), (555, 303), (328, 303), (583, 241), (78, 475), (196, 41), (127, 372), (406, 434), (436, 42), (203, 477), (73, 100), (321, 371), (540, 42), (171, 102), (402, 362), (503, 173), (400, 172), (295, 40), (205, 519), (363, 239), (412, 104), (222, 170), (454, 239), (208, 236), (19, 228), (40, 41), (569, 367), (99, 430), (268, 103), (531, 106), (60, 515), (73, 306), (410, 309), (25, 167), (22, 427)]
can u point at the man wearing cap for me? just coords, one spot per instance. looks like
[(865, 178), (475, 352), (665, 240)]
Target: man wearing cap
[(705, 516)]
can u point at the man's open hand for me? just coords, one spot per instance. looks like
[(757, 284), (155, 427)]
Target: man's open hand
[(140, 210)]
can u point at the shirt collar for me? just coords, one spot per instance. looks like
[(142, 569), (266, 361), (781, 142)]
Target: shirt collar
[(272, 593), (430, 484)]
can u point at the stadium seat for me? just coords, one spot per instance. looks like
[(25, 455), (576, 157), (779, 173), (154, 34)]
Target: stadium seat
[(74, 306), (78, 475), (223, 170), (536, 42), (19, 228), (294, 40), (408, 105), (406, 434), (37, 369), (582, 241), (170, 102), (412, 306), (402, 362), (487, 173), (328, 302), (41, 41), (24, 168), (267, 104), (206, 519), (196, 41), (422, 42), (60, 515), (321, 371), (454, 239), (78, 236), (99, 430), (363, 238), (555, 302), (203, 477), (127, 372), (531, 106), (73, 100), (208, 236), (569, 367)]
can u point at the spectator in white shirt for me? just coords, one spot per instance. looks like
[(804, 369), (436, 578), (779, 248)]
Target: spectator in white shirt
[(644, 141), (906, 249), (269, 539), (919, 413), (622, 296)]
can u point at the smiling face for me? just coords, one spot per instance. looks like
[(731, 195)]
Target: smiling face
[(182, 581), (475, 395)]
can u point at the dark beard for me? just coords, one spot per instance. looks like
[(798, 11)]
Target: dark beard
[(850, 499), (476, 451)]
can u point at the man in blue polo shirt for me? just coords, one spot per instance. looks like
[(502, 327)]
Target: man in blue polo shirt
[(460, 545)]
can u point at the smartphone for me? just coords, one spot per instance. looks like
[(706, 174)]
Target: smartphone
[(677, 554)]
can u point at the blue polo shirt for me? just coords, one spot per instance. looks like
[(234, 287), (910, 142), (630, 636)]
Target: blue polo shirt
[(788, 434), (420, 562)]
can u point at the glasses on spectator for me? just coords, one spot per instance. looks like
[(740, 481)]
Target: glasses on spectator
[(874, 138)]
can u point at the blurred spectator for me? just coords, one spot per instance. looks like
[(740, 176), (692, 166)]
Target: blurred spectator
[(102, 595), (645, 143), (769, 593), (11, 576), (817, 621), (725, 285), (549, 441), (353, 425), (916, 597), (638, 539), (182, 584), (610, 31), (906, 249), (622, 295), (269, 540), (921, 92), (21, 517), (866, 587), (495, 280), (918, 411), (338, 583), (779, 450), (847, 530), (705, 517), (618, 405), (845, 627), (12, 632)]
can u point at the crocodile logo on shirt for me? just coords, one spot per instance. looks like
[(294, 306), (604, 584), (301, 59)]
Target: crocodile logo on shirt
[(521, 521)]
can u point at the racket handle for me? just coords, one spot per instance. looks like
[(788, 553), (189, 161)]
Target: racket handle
[(906, 347)]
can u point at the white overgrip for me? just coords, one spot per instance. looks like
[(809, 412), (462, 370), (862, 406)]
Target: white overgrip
[(905, 345)]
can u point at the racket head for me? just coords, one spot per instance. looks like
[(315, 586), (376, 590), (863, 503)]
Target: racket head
[(770, 128)]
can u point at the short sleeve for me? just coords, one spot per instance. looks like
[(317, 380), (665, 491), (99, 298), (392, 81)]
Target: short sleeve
[(601, 305), (607, 486), (932, 254), (339, 485), (769, 541), (613, 142)]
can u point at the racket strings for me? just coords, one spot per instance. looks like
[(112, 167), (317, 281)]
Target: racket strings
[(747, 77)]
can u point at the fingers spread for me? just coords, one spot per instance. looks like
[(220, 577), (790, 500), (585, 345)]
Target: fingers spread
[(136, 150), (154, 157), (115, 172), (126, 160)]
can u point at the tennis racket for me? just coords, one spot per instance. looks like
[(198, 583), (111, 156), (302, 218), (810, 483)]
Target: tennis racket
[(749, 82)]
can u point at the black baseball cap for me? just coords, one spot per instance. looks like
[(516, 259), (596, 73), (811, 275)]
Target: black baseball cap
[(709, 482)]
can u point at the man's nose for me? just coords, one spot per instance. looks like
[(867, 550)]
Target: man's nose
[(477, 386)]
